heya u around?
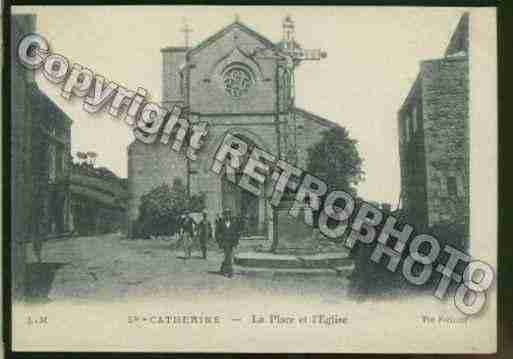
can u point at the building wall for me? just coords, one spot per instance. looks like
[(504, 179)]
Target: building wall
[(445, 87), (21, 154), (98, 201), (149, 166), (200, 87), (413, 155), (172, 59), (40, 155), (308, 131), (259, 130), (207, 92), (434, 138), (51, 148)]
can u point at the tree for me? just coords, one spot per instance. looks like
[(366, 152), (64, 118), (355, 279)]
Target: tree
[(82, 155), (92, 157), (161, 207), (336, 161)]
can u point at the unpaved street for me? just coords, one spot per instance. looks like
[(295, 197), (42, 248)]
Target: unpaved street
[(111, 267)]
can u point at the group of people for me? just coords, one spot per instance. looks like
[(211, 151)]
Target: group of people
[(227, 233)]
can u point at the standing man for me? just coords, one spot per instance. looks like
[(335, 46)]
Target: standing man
[(230, 232), (204, 234), (218, 230), (187, 233)]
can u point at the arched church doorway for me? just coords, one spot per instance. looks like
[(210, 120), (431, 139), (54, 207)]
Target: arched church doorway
[(244, 205)]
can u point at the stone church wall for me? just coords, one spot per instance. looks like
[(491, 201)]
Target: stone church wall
[(150, 166), (260, 130), (207, 93), (196, 78), (308, 133), (172, 59)]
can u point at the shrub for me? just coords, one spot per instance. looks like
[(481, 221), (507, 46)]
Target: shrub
[(372, 278), (161, 207)]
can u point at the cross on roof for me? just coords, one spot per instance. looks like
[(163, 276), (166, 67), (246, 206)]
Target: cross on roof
[(292, 48), (186, 29)]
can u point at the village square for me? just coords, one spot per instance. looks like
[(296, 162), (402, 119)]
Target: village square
[(177, 225)]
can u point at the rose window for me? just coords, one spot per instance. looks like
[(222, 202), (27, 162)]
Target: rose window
[(237, 81)]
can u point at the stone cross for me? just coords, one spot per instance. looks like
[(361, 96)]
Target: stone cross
[(186, 29)]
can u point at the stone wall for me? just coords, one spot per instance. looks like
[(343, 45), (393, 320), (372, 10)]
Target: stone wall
[(446, 113), (194, 78), (413, 156), (434, 138), (149, 166), (309, 129), (21, 154), (172, 59), (208, 63), (51, 151)]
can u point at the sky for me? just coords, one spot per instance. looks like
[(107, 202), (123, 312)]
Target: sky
[(373, 59)]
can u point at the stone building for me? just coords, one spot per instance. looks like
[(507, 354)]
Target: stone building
[(98, 200), (51, 146), (21, 155), (40, 158), (434, 137), (241, 83)]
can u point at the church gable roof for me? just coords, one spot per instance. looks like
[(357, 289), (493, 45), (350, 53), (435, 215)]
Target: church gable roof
[(235, 25), (313, 117)]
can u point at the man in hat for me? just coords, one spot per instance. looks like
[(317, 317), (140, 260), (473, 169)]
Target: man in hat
[(204, 234), (218, 229), (187, 232), (229, 239)]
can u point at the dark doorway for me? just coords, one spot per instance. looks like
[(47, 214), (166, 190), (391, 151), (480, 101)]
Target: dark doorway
[(244, 205)]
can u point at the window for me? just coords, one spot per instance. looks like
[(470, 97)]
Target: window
[(437, 185), (286, 88), (51, 164), (237, 81), (461, 186), (59, 163), (414, 119), (407, 128), (452, 186), (182, 85)]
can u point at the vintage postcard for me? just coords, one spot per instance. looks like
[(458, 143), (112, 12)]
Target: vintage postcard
[(253, 179)]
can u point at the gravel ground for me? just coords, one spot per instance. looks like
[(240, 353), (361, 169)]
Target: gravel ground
[(111, 267)]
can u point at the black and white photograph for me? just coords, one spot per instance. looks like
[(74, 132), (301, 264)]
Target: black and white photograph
[(253, 179)]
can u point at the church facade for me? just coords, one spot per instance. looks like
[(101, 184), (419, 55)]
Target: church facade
[(237, 82)]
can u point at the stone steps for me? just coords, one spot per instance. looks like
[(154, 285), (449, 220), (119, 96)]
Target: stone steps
[(342, 271), (291, 261)]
